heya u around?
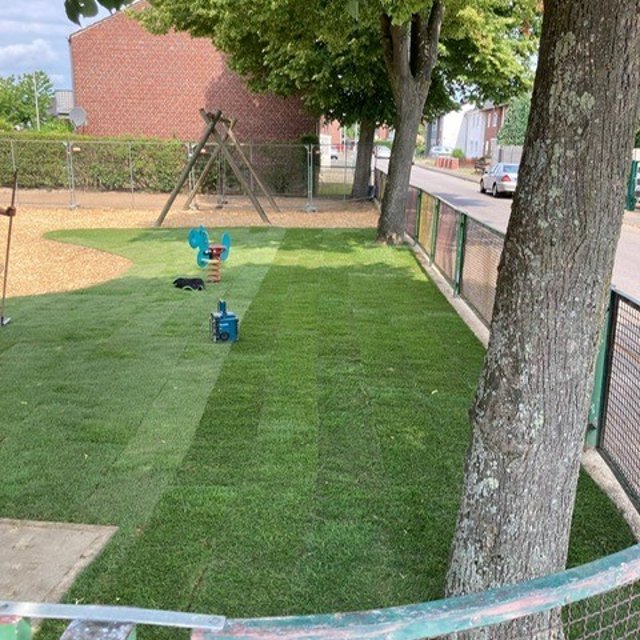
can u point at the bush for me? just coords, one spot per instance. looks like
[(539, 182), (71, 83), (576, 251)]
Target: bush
[(43, 161), (110, 164), (458, 153)]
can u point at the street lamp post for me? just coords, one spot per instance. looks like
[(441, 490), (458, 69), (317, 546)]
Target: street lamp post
[(35, 93)]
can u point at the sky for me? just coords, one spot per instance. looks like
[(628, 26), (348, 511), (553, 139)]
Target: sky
[(33, 36)]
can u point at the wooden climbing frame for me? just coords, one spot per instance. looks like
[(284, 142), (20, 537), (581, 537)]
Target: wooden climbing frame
[(223, 141)]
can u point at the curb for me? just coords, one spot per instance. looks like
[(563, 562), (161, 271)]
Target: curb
[(453, 174)]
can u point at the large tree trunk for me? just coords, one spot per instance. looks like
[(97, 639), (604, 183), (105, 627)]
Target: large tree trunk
[(391, 224), (362, 174), (410, 52), (532, 401)]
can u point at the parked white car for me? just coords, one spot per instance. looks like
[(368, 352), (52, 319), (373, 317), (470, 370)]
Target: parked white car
[(499, 179), (440, 150)]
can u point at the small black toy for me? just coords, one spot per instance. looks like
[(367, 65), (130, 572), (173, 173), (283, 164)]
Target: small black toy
[(192, 284)]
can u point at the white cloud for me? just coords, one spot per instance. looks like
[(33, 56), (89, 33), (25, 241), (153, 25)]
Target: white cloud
[(13, 28), (58, 79), (31, 55), (30, 10), (33, 35)]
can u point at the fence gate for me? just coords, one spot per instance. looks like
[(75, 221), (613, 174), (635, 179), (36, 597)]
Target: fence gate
[(620, 436)]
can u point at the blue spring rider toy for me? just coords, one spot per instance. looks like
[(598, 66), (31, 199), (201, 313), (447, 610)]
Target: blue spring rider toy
[(223, 324), (209, 255)]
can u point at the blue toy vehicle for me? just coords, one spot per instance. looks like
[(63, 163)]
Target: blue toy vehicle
[(223, 324)]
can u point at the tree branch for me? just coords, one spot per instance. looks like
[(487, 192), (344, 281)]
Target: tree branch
[(395, 45), (429, 35), (415, 45)]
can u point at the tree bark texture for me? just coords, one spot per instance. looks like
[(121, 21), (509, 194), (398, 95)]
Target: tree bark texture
[(531, 406), (411, 52), (362, 174), (391, 224)]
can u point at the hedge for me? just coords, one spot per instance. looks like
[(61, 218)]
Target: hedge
[(107, 164)]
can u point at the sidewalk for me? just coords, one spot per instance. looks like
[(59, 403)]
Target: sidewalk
[(463, 174), (632, 219)]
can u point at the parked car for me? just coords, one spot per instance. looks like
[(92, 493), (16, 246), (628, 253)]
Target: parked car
[(440, 150), (381, 151), (500, 178)]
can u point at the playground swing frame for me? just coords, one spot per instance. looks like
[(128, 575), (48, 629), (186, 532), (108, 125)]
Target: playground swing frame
[(223, 141)]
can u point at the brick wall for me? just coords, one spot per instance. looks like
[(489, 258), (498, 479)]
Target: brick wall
[(332, 128), (494, 118), (131, 82)]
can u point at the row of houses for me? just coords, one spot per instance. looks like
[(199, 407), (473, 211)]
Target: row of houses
[(472, 129)]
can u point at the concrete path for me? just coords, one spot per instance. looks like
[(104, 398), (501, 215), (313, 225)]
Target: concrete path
[(40, 560)]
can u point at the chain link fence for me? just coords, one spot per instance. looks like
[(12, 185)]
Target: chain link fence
[(599, 601), (482, 251), (467, 253), (620, 414), (139, 174)]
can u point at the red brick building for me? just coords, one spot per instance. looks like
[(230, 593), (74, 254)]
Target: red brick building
[(494, 119), (133, 83)]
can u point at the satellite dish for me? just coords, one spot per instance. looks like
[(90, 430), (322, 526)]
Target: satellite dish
[(78, 116)]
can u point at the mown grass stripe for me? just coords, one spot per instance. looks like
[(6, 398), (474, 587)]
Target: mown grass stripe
[(325, 471)]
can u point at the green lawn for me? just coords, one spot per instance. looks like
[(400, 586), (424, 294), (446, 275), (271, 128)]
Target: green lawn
[(315, 465)]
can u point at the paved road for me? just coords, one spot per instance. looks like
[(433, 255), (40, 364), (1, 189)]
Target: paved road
[(465, 195)]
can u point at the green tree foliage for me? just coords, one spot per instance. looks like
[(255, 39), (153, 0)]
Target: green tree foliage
[(77, 9), (515, 123), (18, 99), (330, 52), (283, 47), (483, 46), (303, 48)]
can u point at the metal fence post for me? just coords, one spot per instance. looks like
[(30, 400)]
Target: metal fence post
[(72, 181), (434, 230), (598, 407), (131, 174), (251, 160), (14, 164), (309, 207), (191, 179), (460, 242), (631, 186)]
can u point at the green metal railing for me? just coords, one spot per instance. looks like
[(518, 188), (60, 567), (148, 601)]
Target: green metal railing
[(632, 187), (597, 600), (467, 254)]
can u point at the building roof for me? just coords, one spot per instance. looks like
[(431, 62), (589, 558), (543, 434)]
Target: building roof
[(139, 4), (63, 102)]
